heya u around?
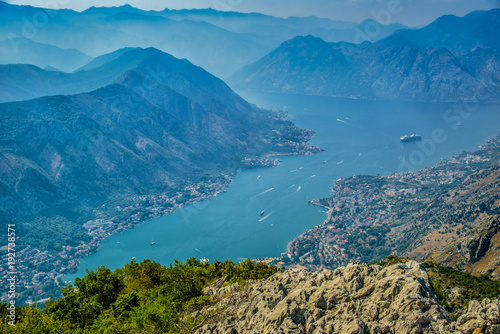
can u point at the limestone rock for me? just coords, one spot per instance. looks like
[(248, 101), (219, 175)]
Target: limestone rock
[(356, 299)]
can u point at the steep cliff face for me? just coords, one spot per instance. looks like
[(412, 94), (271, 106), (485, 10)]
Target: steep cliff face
[(477, 252), (475, 246), (358, 298)]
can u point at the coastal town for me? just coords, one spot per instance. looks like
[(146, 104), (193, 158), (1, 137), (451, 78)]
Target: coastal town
[(366, 215), (39, 273), (360, 214)]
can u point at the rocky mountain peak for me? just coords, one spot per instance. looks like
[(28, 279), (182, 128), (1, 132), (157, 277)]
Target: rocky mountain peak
[(358, 298)]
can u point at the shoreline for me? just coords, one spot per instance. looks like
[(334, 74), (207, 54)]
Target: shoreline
[(102, 225), (376, 206), (328, 212)]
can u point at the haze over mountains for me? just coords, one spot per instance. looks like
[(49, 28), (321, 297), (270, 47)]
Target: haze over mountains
[(113, 116), (144, 123), (453, 59), (25, 51), (220, 42)]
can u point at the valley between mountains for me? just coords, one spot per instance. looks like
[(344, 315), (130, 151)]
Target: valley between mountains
[(113, 116), (132, 139)]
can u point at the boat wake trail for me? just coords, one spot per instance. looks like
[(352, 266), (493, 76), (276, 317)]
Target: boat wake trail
[(262, 193), (296, 170), (342, 121), (266, 216), (265, 191), (296, 191)]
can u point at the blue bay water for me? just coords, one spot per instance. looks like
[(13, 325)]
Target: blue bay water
[(359, 137)]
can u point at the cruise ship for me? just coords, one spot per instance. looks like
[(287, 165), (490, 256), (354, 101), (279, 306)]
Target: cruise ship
[(413, 137)]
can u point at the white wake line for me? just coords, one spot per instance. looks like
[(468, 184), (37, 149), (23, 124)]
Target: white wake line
[(265, 191), (266, 216), (262, 193), (296, 170), (296, 191)]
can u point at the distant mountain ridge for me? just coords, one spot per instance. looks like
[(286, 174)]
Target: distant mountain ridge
[(103, 59), (393, 68), (151, 62), (221, 42), (479, 29), (20, 50)]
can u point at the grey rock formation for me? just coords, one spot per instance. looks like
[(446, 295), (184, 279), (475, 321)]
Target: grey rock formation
[(475, 246), (357, 298)]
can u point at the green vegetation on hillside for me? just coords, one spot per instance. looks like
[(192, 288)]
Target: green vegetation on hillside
[(455, 289), (390, 260), (141, 297)]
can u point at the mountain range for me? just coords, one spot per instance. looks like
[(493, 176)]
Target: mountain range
[(408, 65), (103, 129), (220, 42), (25, 51), (144, 123), (479, 29)]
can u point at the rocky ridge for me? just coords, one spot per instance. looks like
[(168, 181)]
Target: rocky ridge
[(358, 298), (477, 252)]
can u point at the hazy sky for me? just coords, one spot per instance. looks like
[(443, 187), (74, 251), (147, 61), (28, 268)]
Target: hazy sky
[(411, 12)]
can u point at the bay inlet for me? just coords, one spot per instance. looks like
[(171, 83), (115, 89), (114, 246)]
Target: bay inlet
[(358, 137)]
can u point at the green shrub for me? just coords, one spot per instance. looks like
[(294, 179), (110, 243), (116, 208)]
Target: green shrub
[(141, 297)]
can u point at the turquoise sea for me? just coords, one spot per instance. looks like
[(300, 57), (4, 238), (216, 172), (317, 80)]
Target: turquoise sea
[(358, 137)]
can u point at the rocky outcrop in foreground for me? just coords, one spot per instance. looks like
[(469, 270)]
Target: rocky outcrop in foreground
[(357, 298)]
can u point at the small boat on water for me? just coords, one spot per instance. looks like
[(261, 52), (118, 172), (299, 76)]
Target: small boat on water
[(409, 139), (262, 213)]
